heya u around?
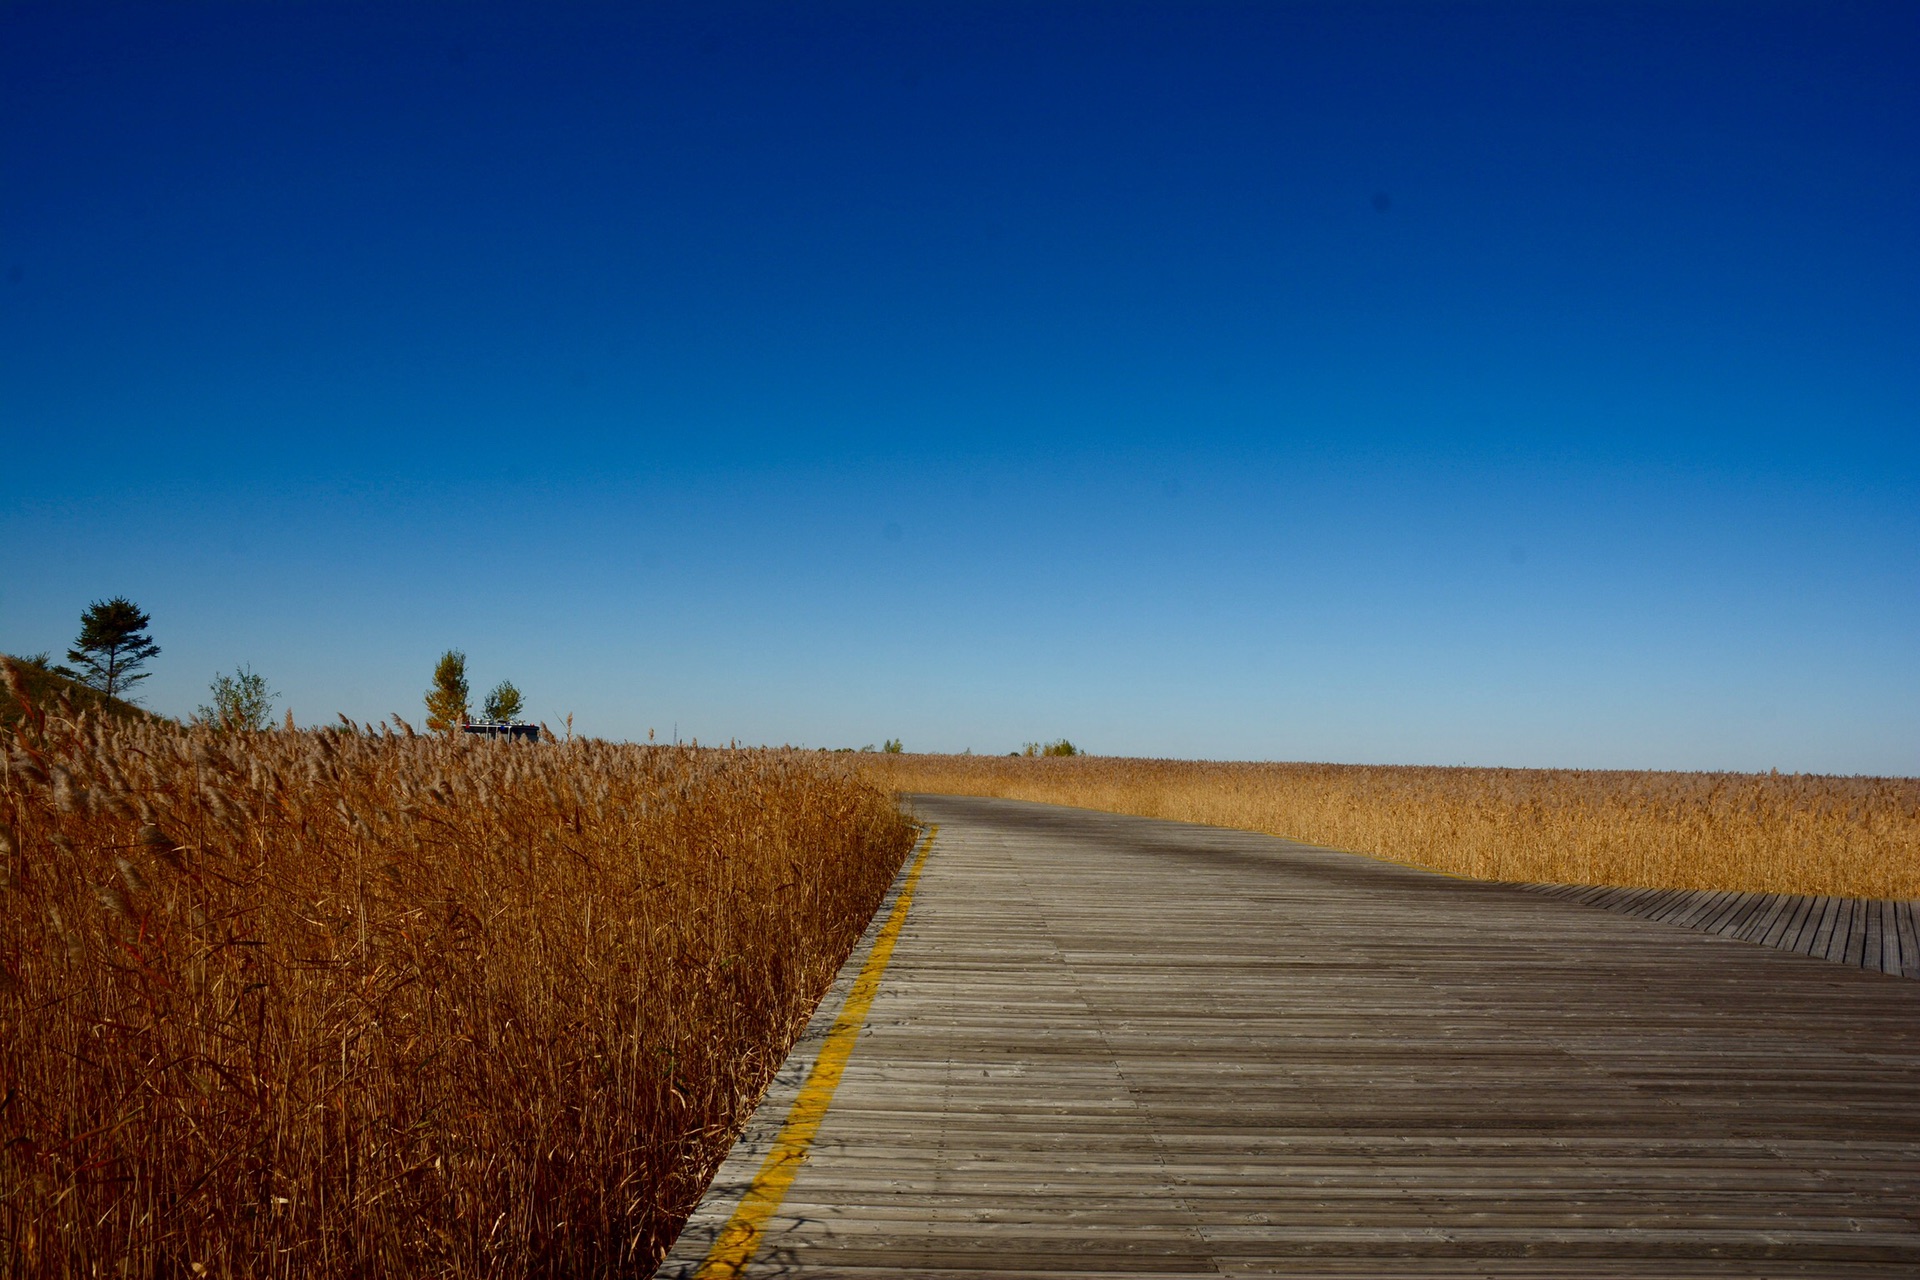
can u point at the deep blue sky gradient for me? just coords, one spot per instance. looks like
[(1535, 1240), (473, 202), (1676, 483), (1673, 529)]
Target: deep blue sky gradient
[(1502, 384)]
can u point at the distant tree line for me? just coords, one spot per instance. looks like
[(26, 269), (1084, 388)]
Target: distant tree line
[(113, 648), (1058, 747), (111, 653)]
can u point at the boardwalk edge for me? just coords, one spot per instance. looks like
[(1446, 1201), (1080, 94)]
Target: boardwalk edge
[(735, 1177)]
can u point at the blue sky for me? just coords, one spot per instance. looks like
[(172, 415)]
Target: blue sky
[(1497, 384)]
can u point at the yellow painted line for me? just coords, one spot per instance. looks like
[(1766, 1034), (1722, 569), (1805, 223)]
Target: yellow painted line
[(739, 1240)]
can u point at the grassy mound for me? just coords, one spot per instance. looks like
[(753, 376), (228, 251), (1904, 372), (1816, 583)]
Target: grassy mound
[(45, 688)]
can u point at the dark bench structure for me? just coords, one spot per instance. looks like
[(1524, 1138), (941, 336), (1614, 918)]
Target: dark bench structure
[(489, 729)]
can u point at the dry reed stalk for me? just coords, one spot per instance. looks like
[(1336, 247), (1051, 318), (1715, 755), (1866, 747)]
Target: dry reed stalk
[(347, 1003), (1769, 832)]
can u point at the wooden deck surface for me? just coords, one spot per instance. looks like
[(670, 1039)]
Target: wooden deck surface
[(1865, 933), (1107, 1046)]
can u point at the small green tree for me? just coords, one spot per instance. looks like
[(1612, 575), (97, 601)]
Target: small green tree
[(241, 701), (892, 747), (504, 703), (112, 647), (447, 700)]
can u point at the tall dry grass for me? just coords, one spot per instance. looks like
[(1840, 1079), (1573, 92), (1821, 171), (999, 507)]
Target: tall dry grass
[(356, 1003), (1777, 833)]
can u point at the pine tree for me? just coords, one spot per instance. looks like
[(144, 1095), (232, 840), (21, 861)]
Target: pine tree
[(113, 646), (447, 700)]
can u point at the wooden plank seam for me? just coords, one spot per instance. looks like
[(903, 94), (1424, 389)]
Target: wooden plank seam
[(733, 1250), (1862, 933)]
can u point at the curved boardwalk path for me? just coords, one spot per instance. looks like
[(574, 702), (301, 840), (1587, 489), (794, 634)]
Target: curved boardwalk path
[(1107, 1046)]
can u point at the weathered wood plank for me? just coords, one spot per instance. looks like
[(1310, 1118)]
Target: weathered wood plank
[(1786, 934), (1851, 942), (1823, 931), (1727, 910), (1868, 955), (1781, 912), (1763, 911), (1685, 906), (1910, 939)]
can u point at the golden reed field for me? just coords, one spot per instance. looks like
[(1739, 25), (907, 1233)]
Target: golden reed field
[(1771, 832), (353, 1003)]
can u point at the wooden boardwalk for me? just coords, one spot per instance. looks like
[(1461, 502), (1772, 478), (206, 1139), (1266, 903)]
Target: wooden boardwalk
[(1107, 1046)]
